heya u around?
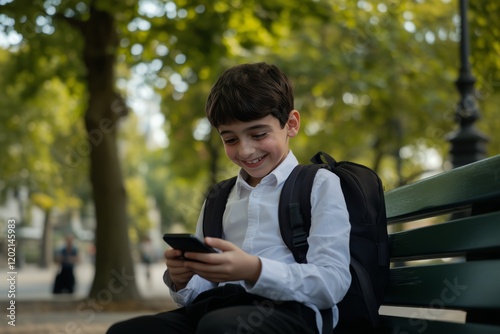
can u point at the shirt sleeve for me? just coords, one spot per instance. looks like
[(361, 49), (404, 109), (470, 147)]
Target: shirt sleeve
[(325, 278), (194, 287), (196, 284)]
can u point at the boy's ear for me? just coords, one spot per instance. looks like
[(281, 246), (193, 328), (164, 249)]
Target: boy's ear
[(293, 123)]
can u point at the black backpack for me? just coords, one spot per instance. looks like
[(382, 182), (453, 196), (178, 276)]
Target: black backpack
[(364, 196)]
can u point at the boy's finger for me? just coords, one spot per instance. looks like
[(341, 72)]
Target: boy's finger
[(221, 244), (172, 253)]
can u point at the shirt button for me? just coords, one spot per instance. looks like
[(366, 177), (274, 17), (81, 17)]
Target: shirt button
[(255, 194)]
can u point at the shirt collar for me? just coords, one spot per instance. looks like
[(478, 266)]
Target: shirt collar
[(275, 178)]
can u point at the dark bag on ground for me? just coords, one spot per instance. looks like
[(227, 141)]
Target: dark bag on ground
[(364, 196)]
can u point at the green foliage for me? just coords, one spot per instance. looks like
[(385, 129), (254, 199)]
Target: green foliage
[(40, 128), (374, 83)]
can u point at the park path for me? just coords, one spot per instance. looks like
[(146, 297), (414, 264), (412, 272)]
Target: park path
[(38, 311)]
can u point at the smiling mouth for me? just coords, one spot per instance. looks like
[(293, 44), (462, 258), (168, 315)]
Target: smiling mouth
[(254, 161)]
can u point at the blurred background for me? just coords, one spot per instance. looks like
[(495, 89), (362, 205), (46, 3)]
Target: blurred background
[(102, 127)]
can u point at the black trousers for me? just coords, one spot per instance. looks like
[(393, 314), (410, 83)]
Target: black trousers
[(65, 281), (224, 310)]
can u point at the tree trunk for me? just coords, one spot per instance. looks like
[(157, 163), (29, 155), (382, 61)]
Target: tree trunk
[(114, 278), (46, 253)]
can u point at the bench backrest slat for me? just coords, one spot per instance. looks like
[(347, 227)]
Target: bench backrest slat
[(467, 285), (455, 238), (460, 187), (421, 326)]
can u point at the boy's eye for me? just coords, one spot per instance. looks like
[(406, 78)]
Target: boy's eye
[(229, 141), (259, 135)]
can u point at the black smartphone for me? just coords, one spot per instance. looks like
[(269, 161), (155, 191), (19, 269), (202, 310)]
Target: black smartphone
[(187, 243)]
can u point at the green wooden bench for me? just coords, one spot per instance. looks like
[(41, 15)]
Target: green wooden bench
[(467, 200)]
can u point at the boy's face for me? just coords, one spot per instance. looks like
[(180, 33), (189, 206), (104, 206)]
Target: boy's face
[(259, 146)]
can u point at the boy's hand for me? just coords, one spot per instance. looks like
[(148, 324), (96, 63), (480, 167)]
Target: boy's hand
[(179, 273), (233, 264)]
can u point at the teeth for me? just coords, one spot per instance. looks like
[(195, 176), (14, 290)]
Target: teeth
[(254, 161)]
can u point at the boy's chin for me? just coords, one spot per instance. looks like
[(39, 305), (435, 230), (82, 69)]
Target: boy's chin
[(254, 178)]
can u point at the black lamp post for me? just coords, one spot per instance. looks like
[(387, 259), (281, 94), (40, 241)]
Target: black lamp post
[(467, 143)]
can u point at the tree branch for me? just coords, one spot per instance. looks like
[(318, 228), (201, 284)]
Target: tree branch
[(75, 23)]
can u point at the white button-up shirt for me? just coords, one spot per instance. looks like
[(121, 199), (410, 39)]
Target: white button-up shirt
[(251, 222)]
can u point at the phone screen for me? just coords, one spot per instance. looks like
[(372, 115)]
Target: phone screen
[(187, 243)]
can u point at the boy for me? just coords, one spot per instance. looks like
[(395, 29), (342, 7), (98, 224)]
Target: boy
[(254, 284)]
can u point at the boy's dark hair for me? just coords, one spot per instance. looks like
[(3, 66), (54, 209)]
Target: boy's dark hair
[(249, 92)]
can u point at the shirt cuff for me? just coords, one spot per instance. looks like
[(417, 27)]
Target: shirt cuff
[(168, 281), (272, 271)]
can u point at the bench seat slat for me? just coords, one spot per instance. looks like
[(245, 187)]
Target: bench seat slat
[(466, 285), (445, 192), (399, 325), (456, 238)]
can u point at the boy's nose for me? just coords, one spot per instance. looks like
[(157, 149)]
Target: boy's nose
[(245, 149)]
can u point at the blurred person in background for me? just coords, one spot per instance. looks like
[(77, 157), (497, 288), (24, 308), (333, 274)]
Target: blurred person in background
[(67, 257)]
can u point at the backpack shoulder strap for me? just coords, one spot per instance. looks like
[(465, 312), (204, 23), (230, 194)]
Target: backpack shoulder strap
[(294, 209), (215, 205)]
